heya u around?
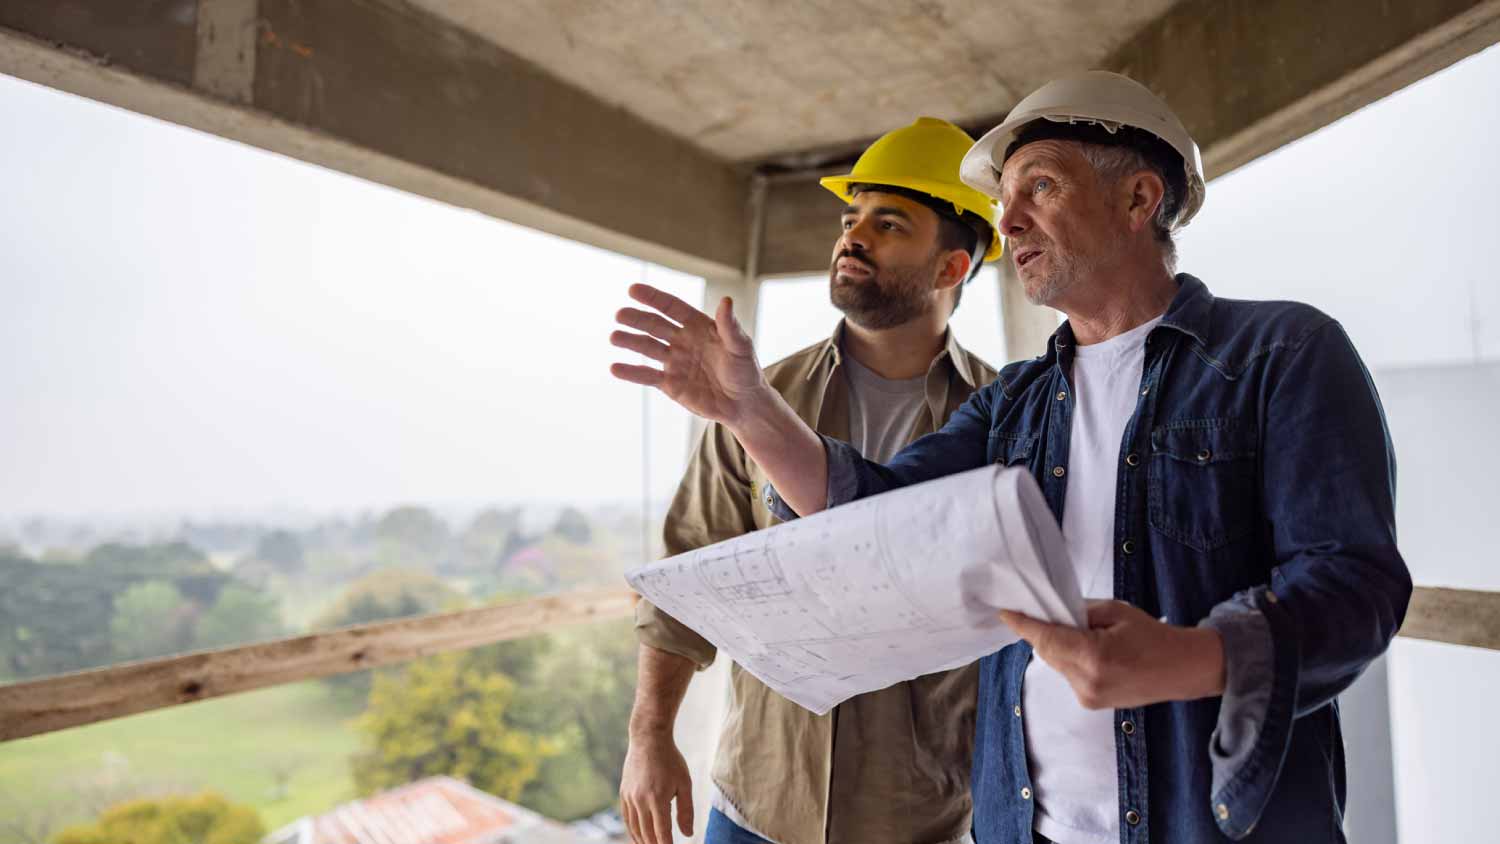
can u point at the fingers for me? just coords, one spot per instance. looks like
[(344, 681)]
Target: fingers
[(654, 324), (685, 809), (1109, 613), (640, 343), (643, 375), (632, 824), (665, 302), (1023, 625), (734, 337), (1057, 644), (660, 822)]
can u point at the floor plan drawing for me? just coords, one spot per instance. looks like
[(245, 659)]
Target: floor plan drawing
[(877, 591)]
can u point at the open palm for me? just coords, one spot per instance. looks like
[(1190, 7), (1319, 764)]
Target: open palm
[(708, 364)]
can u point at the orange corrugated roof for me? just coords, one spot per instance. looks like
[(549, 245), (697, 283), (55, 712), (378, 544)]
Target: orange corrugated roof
[(436, 810)]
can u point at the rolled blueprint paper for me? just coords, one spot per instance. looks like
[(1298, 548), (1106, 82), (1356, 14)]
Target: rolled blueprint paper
[(881, 590)]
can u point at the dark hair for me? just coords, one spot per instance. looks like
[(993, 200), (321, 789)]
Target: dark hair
[(966, 231)]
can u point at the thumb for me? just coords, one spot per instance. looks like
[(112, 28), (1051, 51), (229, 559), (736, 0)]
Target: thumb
[(1108, 613), (734, 337), (685, 808)]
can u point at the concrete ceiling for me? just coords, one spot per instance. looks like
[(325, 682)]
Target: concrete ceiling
[(749, 81)]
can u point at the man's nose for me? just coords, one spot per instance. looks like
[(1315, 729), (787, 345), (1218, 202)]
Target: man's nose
[(1014, 220), (856, 238)]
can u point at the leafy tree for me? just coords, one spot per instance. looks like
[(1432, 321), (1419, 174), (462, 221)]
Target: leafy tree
[(445, 716), (487, 537), (411, 536), (282, 549), (584, 689), (389, 593), (573, 526), (240, 615), (199, 819), (150, 619)]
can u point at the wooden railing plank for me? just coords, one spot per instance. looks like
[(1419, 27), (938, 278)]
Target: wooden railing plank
[(53, 703), (33, 707), (1454, 616)]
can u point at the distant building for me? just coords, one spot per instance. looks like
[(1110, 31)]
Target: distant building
[(436, 810)]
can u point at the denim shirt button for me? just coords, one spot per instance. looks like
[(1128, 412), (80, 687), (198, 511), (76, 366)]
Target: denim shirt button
[(1128, 547), (1127, 727), (1223, 812), (1061, 395), (1025, 793), (1145, 390), (1018, 710), (1132, 459), (1132, 817), (1058, 471)]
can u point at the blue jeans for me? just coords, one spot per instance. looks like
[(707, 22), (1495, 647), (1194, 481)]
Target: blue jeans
[(722, 830)]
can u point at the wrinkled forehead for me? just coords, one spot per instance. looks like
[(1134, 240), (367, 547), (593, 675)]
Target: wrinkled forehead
[(1053, 155)]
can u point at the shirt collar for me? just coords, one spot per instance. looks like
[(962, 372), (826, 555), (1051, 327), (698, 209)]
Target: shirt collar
[(832, 353), (1190, 313)]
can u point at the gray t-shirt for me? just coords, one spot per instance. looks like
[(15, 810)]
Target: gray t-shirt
[(882, 412)]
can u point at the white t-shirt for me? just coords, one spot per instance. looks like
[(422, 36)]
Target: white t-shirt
[(1071, 750)]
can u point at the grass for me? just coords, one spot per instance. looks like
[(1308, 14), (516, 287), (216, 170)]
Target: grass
[(233, 745)]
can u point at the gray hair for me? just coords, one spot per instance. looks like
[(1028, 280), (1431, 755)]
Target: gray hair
[(1113, 163)]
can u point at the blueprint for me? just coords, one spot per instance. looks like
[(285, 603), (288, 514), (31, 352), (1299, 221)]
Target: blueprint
[(878, 591)]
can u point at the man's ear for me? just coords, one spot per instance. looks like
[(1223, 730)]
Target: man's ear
[(1145, 191), (954, 269)]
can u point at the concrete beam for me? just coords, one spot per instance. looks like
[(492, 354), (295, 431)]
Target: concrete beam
[(1246, 76), (801, 223), (379, 90), (1250, 76)]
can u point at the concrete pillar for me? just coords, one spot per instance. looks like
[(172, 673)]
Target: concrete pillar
[(1365, 712)]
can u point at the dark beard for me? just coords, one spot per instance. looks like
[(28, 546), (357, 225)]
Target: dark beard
[(890, 298)]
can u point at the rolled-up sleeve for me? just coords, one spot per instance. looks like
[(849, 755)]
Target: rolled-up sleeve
[(1339, 588), (712, 504)]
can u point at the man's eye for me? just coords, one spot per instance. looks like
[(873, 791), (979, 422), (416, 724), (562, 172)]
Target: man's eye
[(887, 224), (1041, 185), (848, 224)]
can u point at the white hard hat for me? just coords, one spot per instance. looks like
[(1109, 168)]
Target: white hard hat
[(1100, 98)]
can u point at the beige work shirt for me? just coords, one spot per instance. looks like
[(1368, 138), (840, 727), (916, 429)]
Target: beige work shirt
[(890, 766)]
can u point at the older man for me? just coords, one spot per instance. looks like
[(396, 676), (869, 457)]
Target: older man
[(1228, 479), (910, 234)]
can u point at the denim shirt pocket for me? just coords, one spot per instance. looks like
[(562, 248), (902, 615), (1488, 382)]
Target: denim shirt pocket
[(1201, 481), (1009, 448)]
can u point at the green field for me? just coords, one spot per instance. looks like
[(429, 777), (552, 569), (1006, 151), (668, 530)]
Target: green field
[(235, 745)]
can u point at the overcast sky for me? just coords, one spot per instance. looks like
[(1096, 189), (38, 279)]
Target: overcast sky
[(193, 326)]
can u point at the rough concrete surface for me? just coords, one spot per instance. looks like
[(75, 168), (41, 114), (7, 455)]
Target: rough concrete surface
[(747, 80)]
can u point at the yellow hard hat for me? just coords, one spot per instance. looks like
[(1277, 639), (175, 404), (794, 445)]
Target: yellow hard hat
[(923, 157)]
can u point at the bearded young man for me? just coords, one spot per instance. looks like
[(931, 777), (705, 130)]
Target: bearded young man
[(1229, 489), (888, 766)]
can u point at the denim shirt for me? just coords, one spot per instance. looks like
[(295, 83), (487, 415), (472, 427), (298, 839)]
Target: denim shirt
[(1256, 497)]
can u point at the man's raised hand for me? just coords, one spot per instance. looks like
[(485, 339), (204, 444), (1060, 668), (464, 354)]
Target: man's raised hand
[(708, 365)]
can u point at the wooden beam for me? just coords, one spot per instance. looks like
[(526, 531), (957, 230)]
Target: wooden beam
[(53, 703), (1454, 616), (388, 93), (33, 707)]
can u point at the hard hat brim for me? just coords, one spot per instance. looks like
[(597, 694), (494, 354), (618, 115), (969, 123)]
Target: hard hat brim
[(981, 165), (839, 186)]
